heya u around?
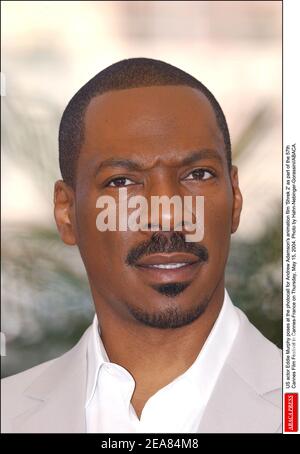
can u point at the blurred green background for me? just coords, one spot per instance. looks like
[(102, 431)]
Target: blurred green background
[(233, 47)]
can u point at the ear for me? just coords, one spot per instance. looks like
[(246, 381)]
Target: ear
[(237, 199), (64, 206)]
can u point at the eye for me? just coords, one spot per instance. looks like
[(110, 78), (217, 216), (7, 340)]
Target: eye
[(119, 182), (200, 174)]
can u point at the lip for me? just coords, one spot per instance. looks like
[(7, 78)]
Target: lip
[(189, 265), (165, 259)]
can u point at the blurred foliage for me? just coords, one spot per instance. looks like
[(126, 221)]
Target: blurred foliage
[(46, 301), (254, 280)]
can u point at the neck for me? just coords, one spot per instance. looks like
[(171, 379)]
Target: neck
[(153, 356)]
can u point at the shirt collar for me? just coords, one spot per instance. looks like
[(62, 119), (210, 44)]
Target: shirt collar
[(202, 373), (96, 357), (205, 370)]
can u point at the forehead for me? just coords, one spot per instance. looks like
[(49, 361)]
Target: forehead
[(150, 122)]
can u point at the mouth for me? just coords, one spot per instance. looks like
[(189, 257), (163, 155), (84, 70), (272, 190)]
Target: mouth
[(167, 268)]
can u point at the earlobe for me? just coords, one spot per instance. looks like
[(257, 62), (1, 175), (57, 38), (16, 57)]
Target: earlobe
[(64, 212), (237, 200)]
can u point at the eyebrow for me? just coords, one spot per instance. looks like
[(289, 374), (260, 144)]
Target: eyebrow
[(130, 164)]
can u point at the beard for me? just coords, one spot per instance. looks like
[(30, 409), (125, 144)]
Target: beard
[(171, 290), (171, 316)]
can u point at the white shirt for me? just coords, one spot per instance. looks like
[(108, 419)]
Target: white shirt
[(175, 408)]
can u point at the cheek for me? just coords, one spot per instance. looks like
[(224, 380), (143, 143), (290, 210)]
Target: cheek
[(217, 223), (102, 252)]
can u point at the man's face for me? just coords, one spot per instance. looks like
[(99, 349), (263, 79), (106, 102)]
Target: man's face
[(141, 139)]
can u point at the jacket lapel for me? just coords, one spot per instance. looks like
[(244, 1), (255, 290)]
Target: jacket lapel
[(242, 398), (235, 407), (56, 399)]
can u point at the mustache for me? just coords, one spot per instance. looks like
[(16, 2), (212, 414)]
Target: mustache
[(161, 243)]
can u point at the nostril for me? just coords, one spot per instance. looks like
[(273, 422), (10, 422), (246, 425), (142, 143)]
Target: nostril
[(154, 227)]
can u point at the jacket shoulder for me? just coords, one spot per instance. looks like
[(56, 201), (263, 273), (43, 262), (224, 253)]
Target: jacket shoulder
[(13, 401), (14, 387), (18, 382), (258, 361)]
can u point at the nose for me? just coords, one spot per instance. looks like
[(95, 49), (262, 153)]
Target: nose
[(165, 206)]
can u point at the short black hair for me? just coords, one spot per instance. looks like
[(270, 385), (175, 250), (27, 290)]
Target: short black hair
[(129, 73)]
